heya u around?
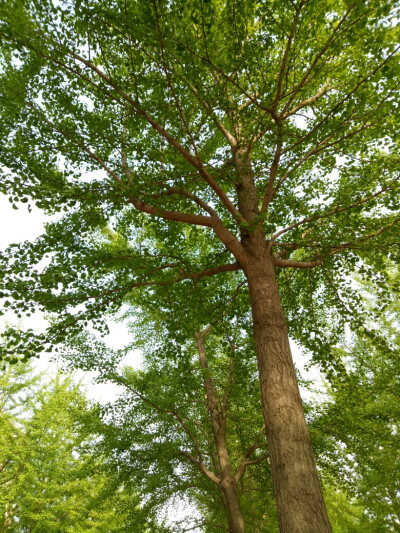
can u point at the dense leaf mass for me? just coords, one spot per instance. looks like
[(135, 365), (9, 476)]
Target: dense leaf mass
[(128, 122)]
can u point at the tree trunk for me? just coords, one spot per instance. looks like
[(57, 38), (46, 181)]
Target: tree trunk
[(300, 504), (231, 500)]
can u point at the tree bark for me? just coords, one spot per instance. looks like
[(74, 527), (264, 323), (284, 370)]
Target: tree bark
[(231, 500), (300, 504)]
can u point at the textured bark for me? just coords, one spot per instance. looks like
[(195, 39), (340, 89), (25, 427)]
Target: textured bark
[(300, 504)]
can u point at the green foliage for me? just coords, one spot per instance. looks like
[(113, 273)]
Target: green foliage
[(142, 124), (105, 107), (150, 430), (360, 423), (50, 479)]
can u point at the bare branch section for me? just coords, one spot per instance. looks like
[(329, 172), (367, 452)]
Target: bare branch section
[(205, 523)]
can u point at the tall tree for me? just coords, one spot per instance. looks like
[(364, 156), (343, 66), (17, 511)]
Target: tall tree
[(231, 136)]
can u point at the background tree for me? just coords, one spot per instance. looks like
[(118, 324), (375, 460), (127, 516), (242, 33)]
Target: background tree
[(189, 425), (264, 135), (361, 418), (50, 480)]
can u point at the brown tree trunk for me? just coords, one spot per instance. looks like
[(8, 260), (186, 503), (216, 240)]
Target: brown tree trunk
[(300, 504), (231, 500)]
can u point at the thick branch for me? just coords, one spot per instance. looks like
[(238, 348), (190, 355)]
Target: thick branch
[(293, 263)]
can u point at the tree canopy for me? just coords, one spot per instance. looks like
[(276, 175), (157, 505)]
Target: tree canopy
[(118, 114), (191, 145)]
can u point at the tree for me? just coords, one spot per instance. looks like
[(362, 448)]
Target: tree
[(232, 137), (360, 422), (50, 479), (191, 427)]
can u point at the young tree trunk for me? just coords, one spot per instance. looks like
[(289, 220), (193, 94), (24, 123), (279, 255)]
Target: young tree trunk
[(231, 500), (300, 504)]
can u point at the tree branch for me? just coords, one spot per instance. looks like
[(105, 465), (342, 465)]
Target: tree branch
[(275, 103), (230, 267), (293, 263), (309, 101), (226, 133), (328, 43), (244, 460), (333, 212), (228, 388), (201, 466), (218, 422), (188, 194), (192, 160), (175, 414)]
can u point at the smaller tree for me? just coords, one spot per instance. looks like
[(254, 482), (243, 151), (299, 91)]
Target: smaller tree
[(190, 425), (50, 480)]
